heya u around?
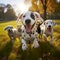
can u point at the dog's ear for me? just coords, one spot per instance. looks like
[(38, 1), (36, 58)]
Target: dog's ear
[(38, 17), (19, 17), (5, 28), (44, 23), (54, 23), (8, 27)]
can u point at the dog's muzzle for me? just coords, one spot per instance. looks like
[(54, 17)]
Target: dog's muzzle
[(28, 21), (49, 26)]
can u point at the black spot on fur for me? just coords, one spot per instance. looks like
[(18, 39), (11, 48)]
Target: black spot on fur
[(39, 29), (32, 16)]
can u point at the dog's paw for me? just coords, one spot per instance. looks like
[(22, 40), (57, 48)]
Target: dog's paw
[(12, 39), (24, 47), (51, 41), (35, 44)]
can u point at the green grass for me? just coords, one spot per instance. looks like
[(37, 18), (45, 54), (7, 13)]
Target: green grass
[(13, 51)]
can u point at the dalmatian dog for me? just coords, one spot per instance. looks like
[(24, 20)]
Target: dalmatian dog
[(47, 29), (29, 29), (13, 33)]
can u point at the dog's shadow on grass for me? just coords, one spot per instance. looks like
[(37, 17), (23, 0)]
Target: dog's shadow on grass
[(46, 51), (4, 53)]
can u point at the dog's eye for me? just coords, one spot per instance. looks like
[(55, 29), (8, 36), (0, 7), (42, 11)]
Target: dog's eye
[(32, 16), (24, 16), (51, 22)]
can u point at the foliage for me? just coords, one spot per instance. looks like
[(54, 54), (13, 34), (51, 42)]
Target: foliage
[(13, 51), (47, 8), (38, 5), (9, 14)]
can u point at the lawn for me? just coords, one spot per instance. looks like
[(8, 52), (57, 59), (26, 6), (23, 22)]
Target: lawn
[(46, 51)]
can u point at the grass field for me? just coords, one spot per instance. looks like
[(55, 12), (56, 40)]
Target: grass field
[(46, 51)]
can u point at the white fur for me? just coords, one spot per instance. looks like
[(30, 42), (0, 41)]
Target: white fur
[(27, 16), (34, 35), (44, 30), (24, 45), (26, 36), (35, 44)]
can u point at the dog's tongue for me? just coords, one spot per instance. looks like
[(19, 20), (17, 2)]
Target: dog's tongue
[(28, 28), (49, 29)]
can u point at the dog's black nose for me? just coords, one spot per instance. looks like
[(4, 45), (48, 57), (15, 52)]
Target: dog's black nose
[(49, 25), (28, 21)]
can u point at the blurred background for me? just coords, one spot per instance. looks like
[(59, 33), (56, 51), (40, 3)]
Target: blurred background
[(10, 9)]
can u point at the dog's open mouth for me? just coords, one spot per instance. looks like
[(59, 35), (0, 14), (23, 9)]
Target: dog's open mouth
[(28, 28), (49, 29)]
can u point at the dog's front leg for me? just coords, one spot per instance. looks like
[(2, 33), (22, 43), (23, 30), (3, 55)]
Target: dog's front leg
[(51, 40), (35, 43), (44, 37), (12, 38), (24, 45)]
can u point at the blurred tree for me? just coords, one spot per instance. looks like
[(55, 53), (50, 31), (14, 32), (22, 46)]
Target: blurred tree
[(2, 11), (9, 14), (43, 6), (48, 7), (57, 11)]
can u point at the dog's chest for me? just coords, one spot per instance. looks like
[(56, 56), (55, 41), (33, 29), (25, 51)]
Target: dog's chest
[(48, 32), (29, 36)]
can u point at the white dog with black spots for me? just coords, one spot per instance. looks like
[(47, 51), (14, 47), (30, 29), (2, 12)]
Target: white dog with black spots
[(47, 29), (29, 29)]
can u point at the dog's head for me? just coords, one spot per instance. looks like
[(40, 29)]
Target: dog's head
[(8, 28), (49, 24), (28, 19)]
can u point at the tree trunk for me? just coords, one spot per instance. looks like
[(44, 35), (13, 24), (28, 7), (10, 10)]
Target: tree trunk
[(45, 8), (44, 2)]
